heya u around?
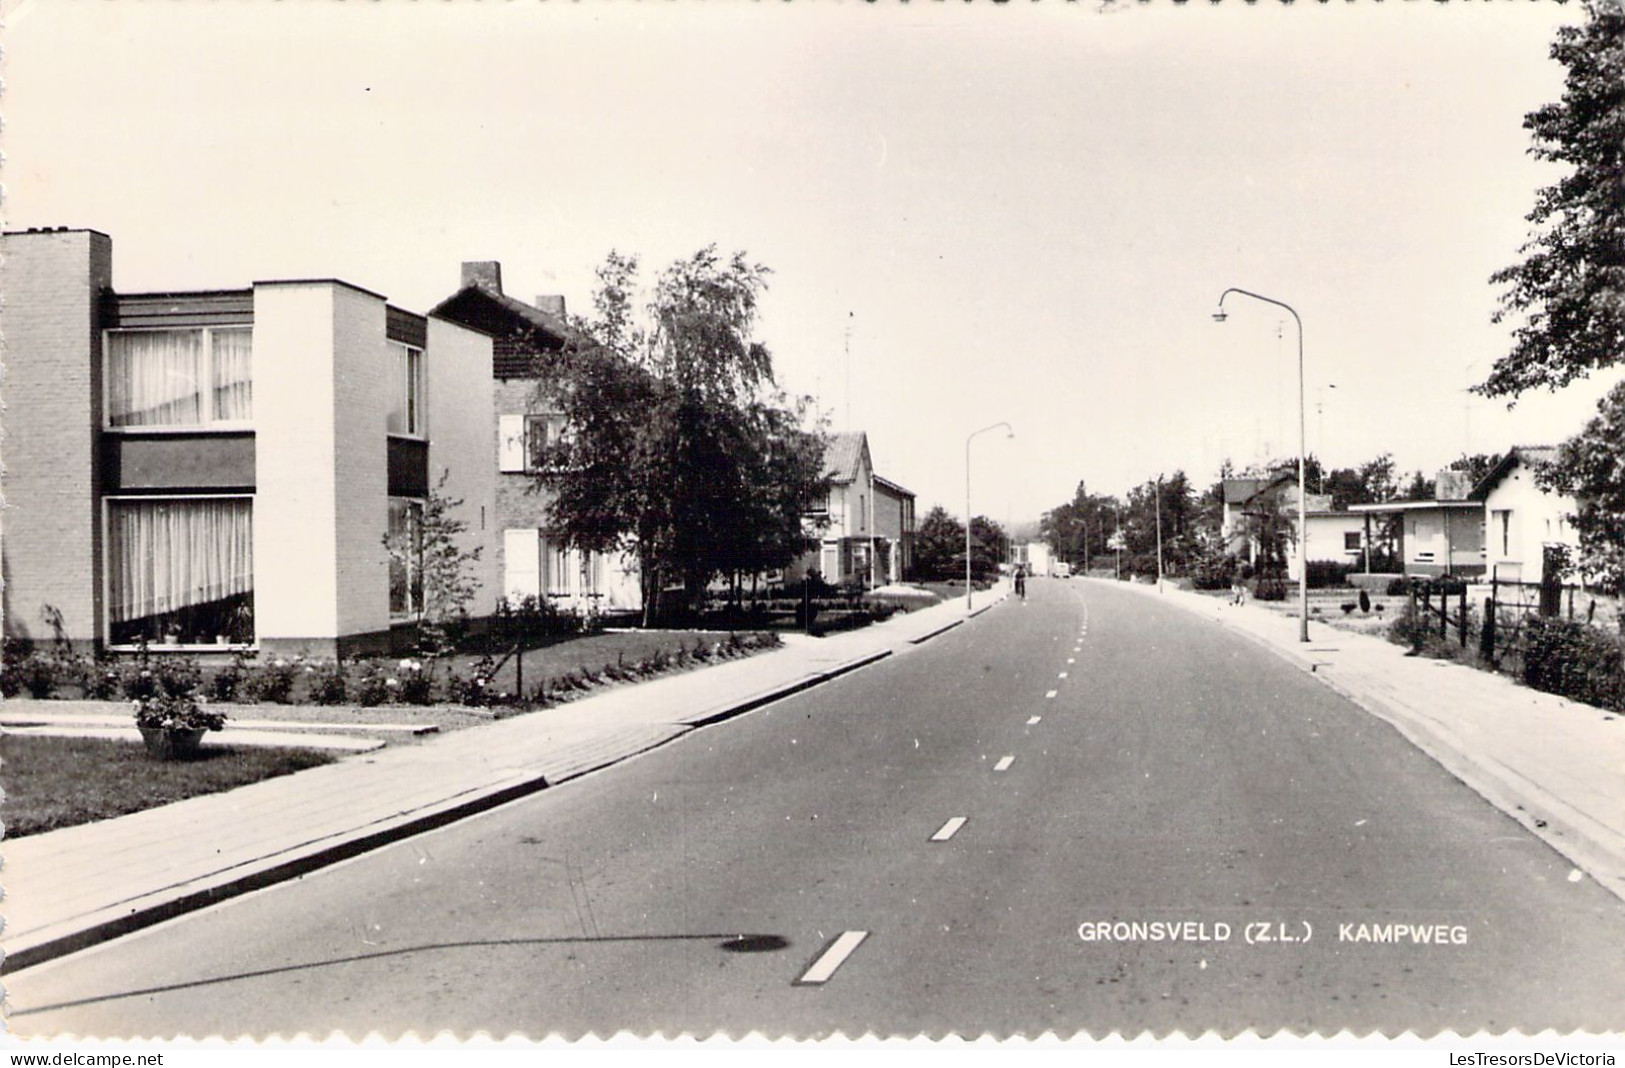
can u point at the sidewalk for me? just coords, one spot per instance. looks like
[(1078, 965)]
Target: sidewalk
[(1554, 765), (72, 888)]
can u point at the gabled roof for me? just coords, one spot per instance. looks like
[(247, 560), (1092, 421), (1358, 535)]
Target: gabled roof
[(1531, 455), (1242, 490), (844, 454), (893, 488), (521, 313)]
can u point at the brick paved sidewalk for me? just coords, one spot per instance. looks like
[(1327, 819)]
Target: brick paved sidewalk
[(71, 888), (1554, 765)]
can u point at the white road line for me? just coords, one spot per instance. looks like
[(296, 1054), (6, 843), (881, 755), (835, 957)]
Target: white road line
[(833, 957), (949, 829), (1062, 675), (1050, 694), (1033, 720), (1004, 763), (1071, 660)]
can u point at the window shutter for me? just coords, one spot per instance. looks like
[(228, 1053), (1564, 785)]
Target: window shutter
[(522, 564), (511, 443)]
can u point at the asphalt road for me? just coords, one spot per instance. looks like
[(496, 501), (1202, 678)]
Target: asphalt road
[(1102, 760)]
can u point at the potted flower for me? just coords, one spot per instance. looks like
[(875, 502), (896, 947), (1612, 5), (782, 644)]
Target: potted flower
[(170, 713)]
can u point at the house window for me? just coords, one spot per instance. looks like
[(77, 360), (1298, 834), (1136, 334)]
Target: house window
[(192, 378), (405, 557), (406, 415), (1351, 541), (180, 570), (542, 434)]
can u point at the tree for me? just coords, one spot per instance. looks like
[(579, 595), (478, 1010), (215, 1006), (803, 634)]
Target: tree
[(988, 545), (1591, 468), (938, 544), (1568, 293), (431, 569), (679, 448)]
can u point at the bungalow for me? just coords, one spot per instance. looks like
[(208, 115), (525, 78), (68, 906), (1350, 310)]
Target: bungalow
[(1525, 525), (1444, 536), (220, 468), (526, 342)]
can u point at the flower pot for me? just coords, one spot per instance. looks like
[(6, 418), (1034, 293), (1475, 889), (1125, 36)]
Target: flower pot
[(172, 743)]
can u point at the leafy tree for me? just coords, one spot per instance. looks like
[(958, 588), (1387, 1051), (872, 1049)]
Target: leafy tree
[(988, 545), (938, 544), (1568, 293), (1419, 488), (1591, 468), (680, 449), (1476, 465)]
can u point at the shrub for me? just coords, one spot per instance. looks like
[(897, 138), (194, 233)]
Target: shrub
[(416, 684), (1214, 572), (271, 683), (137, 679), (102, 681), (227, 683), (1574, 660), (328, 684), (36, 673), (1398, 587), (1324, 574), (372, 688)]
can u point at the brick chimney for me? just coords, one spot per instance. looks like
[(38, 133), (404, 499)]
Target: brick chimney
[(553, 304), (487, 274)]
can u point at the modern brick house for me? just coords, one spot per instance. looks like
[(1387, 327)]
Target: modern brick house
[(220, 468), (526, 339)]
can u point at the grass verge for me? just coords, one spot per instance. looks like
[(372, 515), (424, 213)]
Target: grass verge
[(61, 782)]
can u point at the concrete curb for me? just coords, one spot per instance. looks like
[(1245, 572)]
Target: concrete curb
[(1526, 802), (923, 638), (168, 903)]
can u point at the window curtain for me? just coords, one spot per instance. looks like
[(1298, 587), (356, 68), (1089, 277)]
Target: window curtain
[(170, 554), (155, 378), (233, 358), (406, 390)]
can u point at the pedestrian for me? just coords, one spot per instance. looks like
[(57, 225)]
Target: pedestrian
[(1238, 591), (1021, 581)]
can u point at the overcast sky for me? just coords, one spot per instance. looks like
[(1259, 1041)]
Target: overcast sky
[(1021, 213)]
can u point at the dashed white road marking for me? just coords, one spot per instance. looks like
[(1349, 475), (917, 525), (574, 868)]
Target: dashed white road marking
[(1062, 675), (949, 829), (1004, 763), (1034, 719), (1051, 693), (1072, 659), (833, 957)]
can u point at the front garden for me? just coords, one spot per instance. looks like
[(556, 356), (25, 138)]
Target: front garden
[(541, 675)]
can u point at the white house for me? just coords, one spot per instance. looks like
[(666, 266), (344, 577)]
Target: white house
[(1523, 524)]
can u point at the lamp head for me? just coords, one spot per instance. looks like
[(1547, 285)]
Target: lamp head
[(1220, 316)]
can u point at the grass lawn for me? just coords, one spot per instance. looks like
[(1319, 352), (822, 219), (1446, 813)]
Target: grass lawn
[(593, 653), (59, 782)]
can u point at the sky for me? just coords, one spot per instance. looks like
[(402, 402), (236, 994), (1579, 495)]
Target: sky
[(973, 213)]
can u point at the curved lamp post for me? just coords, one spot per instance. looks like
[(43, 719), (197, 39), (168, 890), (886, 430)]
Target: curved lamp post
[(1303, 515), (1010, 433)]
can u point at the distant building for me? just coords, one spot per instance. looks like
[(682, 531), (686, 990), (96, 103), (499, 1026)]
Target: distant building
[(865, 526)]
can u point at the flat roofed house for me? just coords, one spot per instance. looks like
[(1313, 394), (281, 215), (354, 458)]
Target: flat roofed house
[(220, 468)]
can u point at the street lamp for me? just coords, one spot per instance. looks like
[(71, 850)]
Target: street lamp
[(1010, 433), (1303, 510)]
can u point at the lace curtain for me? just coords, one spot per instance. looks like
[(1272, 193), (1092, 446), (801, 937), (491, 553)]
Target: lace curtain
[(169, 554), (157, 377)]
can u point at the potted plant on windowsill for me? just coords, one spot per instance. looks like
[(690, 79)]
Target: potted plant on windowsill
[(169, 712)]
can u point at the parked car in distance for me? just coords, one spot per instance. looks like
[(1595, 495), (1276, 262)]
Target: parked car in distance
[(1061, 569)]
